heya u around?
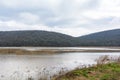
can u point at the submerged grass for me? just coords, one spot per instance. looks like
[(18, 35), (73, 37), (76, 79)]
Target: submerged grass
[(48, 51), (104, 70)]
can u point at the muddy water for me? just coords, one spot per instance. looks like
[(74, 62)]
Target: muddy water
[(22, 67)]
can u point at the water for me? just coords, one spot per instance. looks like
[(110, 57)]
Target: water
[(22, 67)]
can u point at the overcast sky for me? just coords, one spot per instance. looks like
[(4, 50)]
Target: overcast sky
[(73, 17)]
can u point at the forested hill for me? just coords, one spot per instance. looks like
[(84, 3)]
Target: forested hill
[(53, 39), (104, 38), (35, 38)]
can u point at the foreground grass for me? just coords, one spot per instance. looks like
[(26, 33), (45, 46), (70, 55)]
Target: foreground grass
[(110, 71)]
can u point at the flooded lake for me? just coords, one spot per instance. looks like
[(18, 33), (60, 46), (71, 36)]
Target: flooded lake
[(23, 67)]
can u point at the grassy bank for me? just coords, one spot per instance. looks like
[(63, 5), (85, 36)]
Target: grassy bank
[(101, 71), (109, 71)]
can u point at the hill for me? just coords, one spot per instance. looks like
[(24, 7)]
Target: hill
[(104, 38), (53, 39), (35, 38)]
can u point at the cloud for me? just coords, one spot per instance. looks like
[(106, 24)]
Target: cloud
[(74, 31), (107, 8), (13, 25), (73, 17), (29, 4), (28, 18)]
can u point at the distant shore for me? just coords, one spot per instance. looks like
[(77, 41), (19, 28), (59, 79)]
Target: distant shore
[(43, 50)]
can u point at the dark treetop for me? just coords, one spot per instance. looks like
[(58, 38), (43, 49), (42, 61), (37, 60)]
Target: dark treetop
[(45, 38)]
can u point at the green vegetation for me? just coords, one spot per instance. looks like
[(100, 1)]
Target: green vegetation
[(109, 71), (53, 39), (107, 68)]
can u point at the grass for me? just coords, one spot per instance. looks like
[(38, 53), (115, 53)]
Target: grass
[(109, 71), (23, 51), (104, 71)]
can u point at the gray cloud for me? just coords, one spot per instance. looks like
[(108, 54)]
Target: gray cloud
[(73, 17)]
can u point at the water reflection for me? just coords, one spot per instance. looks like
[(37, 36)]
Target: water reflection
[(22, 67)]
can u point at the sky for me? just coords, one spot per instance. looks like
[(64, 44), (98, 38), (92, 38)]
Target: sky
[(72, 17)]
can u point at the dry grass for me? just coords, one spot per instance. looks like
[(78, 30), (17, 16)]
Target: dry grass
[(23, 51), (48, 51)]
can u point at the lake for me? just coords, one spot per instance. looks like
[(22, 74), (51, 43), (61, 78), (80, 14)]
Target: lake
[(22, 67)]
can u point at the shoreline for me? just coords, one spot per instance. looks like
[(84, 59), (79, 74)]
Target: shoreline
[(110, 71), (22, 51), (107, 68)]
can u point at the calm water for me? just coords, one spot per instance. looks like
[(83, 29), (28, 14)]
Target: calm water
[(20, 67)]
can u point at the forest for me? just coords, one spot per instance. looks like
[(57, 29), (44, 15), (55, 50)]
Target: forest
[(54, 39)]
